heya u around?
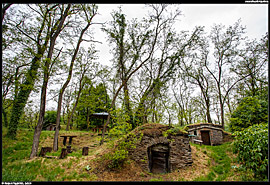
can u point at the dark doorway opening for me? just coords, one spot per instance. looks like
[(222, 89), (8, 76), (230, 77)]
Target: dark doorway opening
[(205, 137), (158, 156)]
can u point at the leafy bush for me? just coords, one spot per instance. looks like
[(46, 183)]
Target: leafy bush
[(121, 123), (49, 118), (251, 145), (250, 111), (120, 154)]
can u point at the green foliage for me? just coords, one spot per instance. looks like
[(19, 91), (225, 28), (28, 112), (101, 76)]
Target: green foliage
[(120, 154), (93, 99), (118, 158), (250, 111), (49, 118), (251, 144), (121, 124), (174, 131)]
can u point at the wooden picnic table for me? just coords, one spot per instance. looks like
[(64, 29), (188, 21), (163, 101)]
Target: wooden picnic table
[(65, 139), (197, 141)]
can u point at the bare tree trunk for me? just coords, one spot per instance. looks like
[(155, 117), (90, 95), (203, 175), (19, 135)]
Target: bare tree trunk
[(208, 115), (222, 115), (87, 119), (63, 114), (55, 141)]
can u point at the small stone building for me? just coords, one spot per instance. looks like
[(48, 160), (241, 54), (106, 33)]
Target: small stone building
[(208, 133), (161, 149)]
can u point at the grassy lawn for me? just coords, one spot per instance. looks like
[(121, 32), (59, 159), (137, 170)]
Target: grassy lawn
[(223, 164), (16, 165), (211, 163)]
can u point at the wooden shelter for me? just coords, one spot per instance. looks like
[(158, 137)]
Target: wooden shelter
[(207, 133), (103, 116)]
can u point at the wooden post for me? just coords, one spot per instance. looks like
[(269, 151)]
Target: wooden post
[(70, 140), (65, 140), (85, 151), (63, 153), (69, 149), (44, 150)]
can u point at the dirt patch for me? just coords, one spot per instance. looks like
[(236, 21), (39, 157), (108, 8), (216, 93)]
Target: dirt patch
[(82, 140), (199, 167), (133, 172)]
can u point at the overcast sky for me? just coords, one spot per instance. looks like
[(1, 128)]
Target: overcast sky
[(253, 16)]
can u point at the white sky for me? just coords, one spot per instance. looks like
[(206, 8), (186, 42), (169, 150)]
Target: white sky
[(253, 16)]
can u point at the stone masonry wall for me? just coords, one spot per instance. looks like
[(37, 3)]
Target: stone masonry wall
[(179, 151), (216, 137), (216, 133)]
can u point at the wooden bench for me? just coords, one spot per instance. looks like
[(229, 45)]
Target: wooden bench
[(196, 141)]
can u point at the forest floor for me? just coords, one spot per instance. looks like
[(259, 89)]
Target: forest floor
[(210, 163)]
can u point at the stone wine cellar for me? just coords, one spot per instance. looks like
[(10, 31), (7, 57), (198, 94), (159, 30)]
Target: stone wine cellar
[(161, 149), (208, 133)]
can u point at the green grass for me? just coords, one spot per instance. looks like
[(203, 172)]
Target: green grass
[(16, 165), (156, 179), (221, 169)]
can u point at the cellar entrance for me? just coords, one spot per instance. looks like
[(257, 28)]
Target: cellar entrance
[(205, 137), (158, 156)]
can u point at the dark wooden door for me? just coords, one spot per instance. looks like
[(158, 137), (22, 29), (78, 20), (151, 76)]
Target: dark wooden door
[(205, 137), (159, 155)]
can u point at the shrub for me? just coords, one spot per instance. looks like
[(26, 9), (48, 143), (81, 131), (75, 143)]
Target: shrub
[(251, 145), (50, 117), (120, 154), (250, 111)]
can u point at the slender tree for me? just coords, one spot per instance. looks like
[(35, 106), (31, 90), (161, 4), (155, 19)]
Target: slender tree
[(87, 68), (193, 68), (226, 46), (89, 12), (55, 31), (253, 60), (150, 34), (163, 68)]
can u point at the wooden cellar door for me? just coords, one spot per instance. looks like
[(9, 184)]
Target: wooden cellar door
[(205, 137), (158, 156)]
